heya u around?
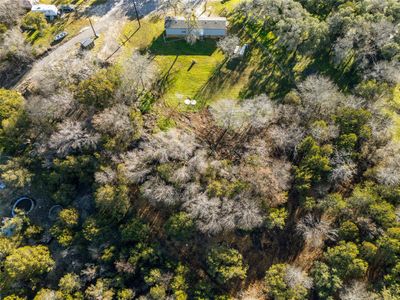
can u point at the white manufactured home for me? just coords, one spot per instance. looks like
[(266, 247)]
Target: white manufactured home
[(207, 27), (49, 11)]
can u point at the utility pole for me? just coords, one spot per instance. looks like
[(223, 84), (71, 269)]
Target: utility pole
[(137, 14), (94, 31)]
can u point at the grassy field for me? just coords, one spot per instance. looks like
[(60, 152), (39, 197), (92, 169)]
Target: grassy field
[(196, 71), (140, 37), (186, 68)]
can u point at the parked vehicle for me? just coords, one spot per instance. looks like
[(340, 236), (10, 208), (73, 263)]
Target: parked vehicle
[(60, 36), (65, 8)]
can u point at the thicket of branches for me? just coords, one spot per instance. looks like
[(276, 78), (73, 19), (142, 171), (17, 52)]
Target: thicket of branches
[(297, 193)]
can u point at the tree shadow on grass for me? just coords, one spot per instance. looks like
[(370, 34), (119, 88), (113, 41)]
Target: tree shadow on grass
[(226, 74), (346, 79), (268, 79), (180, 47)]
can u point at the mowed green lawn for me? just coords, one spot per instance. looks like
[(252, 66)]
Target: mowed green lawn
[(186, 68), (196, 71)]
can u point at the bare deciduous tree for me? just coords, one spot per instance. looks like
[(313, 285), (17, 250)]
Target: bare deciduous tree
[(116, 121), (228, 45), (228, 114), (388, 71), (15, 56), (296, 28), (315, 231), (171, 4), (134, 166), (248, 214), (105, 176), (320, 97), (344, 168), (48, 109), (286, 138), (215, 215), (388, 158), (357, 291), (192, 32), (268, 178), (323, 132), (139, 73), (171, 145), (70, 137), (68, 70), (10, 11), (296, 277), (158, 192)]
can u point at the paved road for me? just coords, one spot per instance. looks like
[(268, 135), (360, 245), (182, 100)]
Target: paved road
[(107, 16)]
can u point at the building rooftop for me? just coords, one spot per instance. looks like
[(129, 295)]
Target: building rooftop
[(87, 42), (44, 7), (203, 22)]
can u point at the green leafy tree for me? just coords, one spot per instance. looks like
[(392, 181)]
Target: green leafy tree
[(347, 142), (344, 258), (368, 251), (28, 261), (226, 264), (276, 218), (333, 204), (69, 217), (14, 174), (281, 286), (108, 254), (91, 229), (98, 91), (142, 254), (348, 231), (125, 294), (352, 120), (34, 21), (383, 213), (158, 292), (11, 106), (69, 283), (135, 231), (45, 294), (14, 297), (7, 245), (389, 247), (326, 281), (179, 283), (313, 165), (180, 226), (113, 201), (63, 229), (73, 169)]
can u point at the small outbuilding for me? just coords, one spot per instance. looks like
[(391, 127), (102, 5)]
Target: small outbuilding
[(87, 44), (50, 11), (206, 27)]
